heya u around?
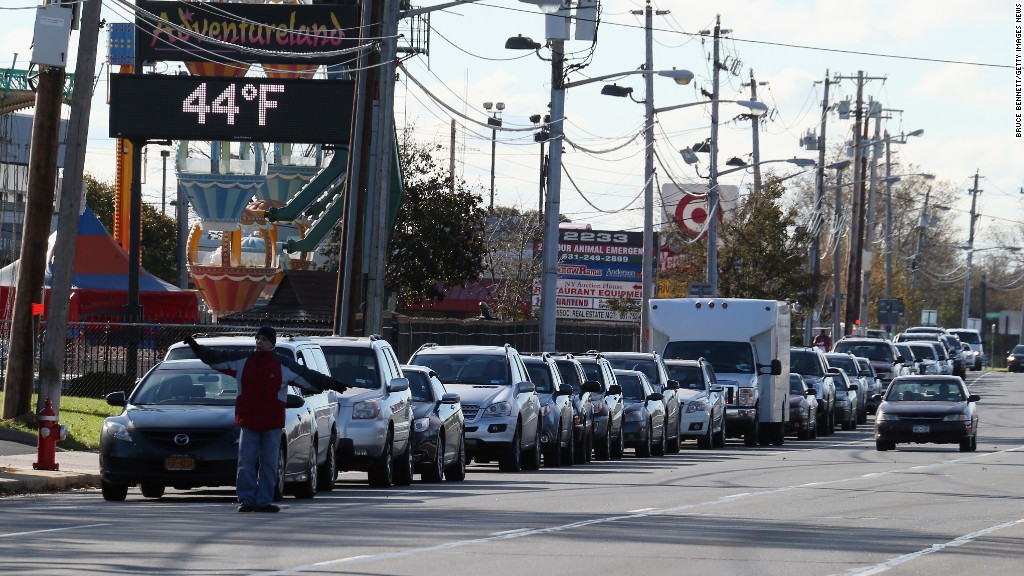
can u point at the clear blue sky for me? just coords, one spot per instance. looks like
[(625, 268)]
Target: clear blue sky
[(947, 66)]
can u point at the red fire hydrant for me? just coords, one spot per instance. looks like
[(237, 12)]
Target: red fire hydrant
[(49, 433)]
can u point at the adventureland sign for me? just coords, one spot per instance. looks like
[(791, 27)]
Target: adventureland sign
[(273, 33)]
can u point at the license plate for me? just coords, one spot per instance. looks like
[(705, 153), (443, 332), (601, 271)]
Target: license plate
[(180, 463), (922, 428)]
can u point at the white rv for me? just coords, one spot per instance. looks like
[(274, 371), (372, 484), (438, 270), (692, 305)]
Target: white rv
[(747, 342)]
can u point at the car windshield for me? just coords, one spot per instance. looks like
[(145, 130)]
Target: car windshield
[(796, 384), (1018, 349), (864, 366), (725, 357), (907, 352), (355, 366), (878, 351), (968, 336), (467, 368), (689, 377), (593, 371), (540, 375), (844, 362), (924, 352), (186, 353), (805, 363), (841, 384), (925, 391), (631, 387), (645, 365), (569, 374), (419, 386), (192, 387), (940, 350)]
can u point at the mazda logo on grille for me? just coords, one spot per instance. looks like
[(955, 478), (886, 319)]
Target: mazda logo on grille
[(181, 439)]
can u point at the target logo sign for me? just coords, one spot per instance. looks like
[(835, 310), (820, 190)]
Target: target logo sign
[(692, 214)]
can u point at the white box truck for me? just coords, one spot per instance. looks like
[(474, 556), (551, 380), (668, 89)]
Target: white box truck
[(747, 342)]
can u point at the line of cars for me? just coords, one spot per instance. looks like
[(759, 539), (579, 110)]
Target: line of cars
[(450, 405)]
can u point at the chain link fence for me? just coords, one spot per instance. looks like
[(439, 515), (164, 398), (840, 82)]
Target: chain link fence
[(102, 357)]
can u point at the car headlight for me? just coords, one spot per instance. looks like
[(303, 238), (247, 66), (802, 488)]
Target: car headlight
[(955, 418), (884, 417), (697, 406), (745, 397), (498, 409), (421, 424), (117, 430), (366, 410), (634, 416)]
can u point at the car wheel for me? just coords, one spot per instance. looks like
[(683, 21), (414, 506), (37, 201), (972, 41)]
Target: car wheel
[(644, 450), (832, 422), (704, 442), (675, 443), (403, 468), (620, 445), (512, 459), (603, 450), (381, 473), (553, 455), (457, 471), (750, 439), (862, 417), (804, 433), (579, 456), (328, 471), (883, 445), (151, 490), (569, 452), (435, 471), (588, 450), (970, 444), (282, 458), (114, 492), (659, 449), (531, 457), (719, 441), (813, 432), (307, 489)]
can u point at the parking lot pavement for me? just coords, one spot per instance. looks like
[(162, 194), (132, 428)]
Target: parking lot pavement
[(17, 476)]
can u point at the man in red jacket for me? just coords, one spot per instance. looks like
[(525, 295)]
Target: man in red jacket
[(263, 378)]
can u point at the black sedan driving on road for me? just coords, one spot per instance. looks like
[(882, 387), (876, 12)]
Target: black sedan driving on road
[(927, 409)]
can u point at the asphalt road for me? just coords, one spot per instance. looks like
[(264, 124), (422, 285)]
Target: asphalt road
[(828, 506)]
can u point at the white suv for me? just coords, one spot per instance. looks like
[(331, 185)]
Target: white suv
[(498, 399), (375, 414)]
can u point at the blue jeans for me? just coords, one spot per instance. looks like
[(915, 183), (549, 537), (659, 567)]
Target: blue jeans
[(257, 447)]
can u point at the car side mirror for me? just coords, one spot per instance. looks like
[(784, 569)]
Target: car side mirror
[(563, 390), (117, 399), (877, 397), (450, 398), (615, 389), (398, 385), (854, 387), (900, 360), (592, 386), (716, 388), (973, 398), (832, 370), (656, 396), (776, 368), (672, 385), (294, 401), (526, 388), (810, 392)]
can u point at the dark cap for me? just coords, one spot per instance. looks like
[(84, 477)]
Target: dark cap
[(269, 333)]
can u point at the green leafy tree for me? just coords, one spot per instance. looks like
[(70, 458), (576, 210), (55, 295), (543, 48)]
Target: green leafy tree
[(159, 231)]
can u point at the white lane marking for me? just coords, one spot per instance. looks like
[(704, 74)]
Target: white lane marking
[(894, 562), (12, 534), (628, 516), (638, 510), (503, 532)]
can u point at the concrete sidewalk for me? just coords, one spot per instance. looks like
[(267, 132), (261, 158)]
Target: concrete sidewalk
[(77, 469)]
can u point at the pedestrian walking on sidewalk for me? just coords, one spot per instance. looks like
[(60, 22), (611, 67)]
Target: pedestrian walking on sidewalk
[(263, 379)]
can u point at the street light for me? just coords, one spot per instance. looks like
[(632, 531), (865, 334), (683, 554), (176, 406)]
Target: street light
[(495, 122), (549, 266)]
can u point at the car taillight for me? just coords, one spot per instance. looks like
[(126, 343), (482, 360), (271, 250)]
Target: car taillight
[(746, 397)]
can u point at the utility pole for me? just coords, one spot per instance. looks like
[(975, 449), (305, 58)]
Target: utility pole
[(42, 176), (920, 239), (552, 203), (755, 125), (451, 157), (853, 270), (51, 366), (970, 252), (874, 109), (888, 215), (713, 207), (819, 194)]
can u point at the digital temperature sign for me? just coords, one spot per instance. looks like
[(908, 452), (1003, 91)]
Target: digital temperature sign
[(156, 106)]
